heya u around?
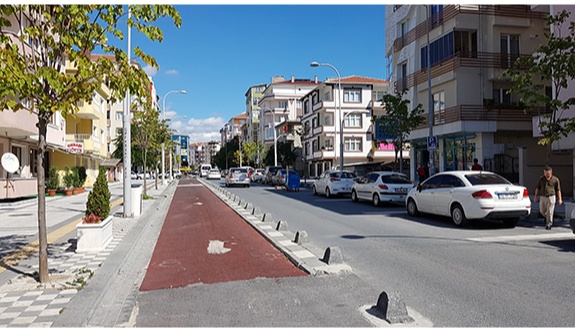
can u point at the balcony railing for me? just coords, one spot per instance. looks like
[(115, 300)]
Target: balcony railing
[(460, 59), (451, 11), (483, 113)]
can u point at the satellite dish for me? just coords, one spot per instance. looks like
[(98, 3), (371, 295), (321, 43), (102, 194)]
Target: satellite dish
[(10, 162)]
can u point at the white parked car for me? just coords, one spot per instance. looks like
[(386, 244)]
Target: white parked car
[(258, 175), (467, 195), (214, 174), (380, 187), (333, 183)]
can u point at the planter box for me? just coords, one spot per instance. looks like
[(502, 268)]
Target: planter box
[(94, 237)]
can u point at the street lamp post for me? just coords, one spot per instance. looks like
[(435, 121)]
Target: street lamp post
[(163, 143), (171, 149), (429, 95), (316, 64), (127, 140)]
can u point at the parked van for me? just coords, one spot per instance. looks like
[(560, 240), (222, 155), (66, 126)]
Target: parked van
[(205, 169)]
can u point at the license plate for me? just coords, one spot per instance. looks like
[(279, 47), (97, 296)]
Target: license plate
[(401, 190), (507, 196)]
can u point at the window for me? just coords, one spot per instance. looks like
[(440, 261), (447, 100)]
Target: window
[(352, 120), (327, 95), (306, 107), (403, 29), (282, 104), (378, 95), (465, 43), (328, 119), (352, 95), (17, 151), (307, 149), (314, 98), (441, 49), (509, 50), (328, 144), (119, 115), (439, 107), (353, 144), (437, 14), (502, 96)]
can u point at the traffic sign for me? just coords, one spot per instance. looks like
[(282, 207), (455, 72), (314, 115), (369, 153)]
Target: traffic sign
[(432, 143)]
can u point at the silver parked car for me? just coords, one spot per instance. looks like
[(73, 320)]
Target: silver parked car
[(237, 176), (380, 187), (467, 195), (333, 183)]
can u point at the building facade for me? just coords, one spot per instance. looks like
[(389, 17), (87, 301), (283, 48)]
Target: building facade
[(458, 81), (253, 97), (322, 119)]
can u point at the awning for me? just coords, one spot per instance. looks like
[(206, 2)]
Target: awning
[(111, 162)]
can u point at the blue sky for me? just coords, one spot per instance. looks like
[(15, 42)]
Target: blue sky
[(222, 50)]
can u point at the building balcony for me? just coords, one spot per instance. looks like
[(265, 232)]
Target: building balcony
[(20, 124), (90, 111), (499, 113), (451, 11)]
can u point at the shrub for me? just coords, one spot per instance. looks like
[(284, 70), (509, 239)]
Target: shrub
[(82, 176), (98, 202), (69, 178), (78, 180), (53, 178)]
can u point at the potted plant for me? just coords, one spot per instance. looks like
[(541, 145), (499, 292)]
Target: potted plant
[(82, 177), (76, 176), (53, 181), (95, 231), (68, 181)]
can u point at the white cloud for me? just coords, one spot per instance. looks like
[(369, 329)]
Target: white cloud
[(199, 130), (151, 71), (171, 72)]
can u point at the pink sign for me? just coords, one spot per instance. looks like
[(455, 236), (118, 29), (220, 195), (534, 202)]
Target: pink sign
[(386, 147)]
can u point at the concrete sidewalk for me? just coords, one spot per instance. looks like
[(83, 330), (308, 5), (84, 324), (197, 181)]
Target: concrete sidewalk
[(25, 303)]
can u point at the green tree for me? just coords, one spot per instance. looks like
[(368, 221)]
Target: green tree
[(551, 63), (399, 121), (253, 151), (32, 74), (99, 198)]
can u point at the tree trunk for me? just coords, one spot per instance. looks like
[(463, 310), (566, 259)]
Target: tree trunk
[(145, 172), (400, 154), (42, 236)]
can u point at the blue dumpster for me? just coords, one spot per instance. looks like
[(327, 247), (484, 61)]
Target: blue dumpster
[(293, 181)]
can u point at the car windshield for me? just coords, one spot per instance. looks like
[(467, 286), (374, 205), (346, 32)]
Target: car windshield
[(486, 178), (395, 178)]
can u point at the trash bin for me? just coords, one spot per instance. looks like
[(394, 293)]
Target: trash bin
[(137, 200)]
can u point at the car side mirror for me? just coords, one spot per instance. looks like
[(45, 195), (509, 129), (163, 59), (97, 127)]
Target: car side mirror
[(419, 187)]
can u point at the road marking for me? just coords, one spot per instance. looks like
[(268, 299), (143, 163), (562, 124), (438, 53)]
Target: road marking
[(217, 247), (529, 237)]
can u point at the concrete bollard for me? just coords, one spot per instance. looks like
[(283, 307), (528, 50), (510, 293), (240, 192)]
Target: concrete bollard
[(241, 202), (267, 217), (282, 226), (249, 206), (332, 256), (301, 237), (393, 308), (257, 212)]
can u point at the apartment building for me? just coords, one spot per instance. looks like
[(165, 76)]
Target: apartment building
[(253, 96), (19, 136), (181, 150), (459, 81), (281, 101), (321, 121)]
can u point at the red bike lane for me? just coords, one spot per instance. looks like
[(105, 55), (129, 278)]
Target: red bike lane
[(205, 241)]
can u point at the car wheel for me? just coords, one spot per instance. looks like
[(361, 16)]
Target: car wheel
[(327, 193), (313, 190), (354, 196), (510, 222), (375, 200), (458, 215), (412, 208)]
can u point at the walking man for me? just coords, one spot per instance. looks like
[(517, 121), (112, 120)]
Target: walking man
[(476, 166), (549, 188)]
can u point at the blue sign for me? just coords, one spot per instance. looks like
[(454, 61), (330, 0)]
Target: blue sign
[(382, 133), (432, 143)]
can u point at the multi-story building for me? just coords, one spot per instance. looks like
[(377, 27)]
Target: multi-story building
[(322, 116), (181, 150), (469, 111), (212, 148), (281, 101), (253, 96), (196, 154)]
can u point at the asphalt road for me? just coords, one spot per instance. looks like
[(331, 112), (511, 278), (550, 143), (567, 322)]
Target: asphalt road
[(484, 275)]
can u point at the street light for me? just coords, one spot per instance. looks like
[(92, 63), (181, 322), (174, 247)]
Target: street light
[(429, 95), (316, 64), (163, 143), (171, 150), (127, 140)]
